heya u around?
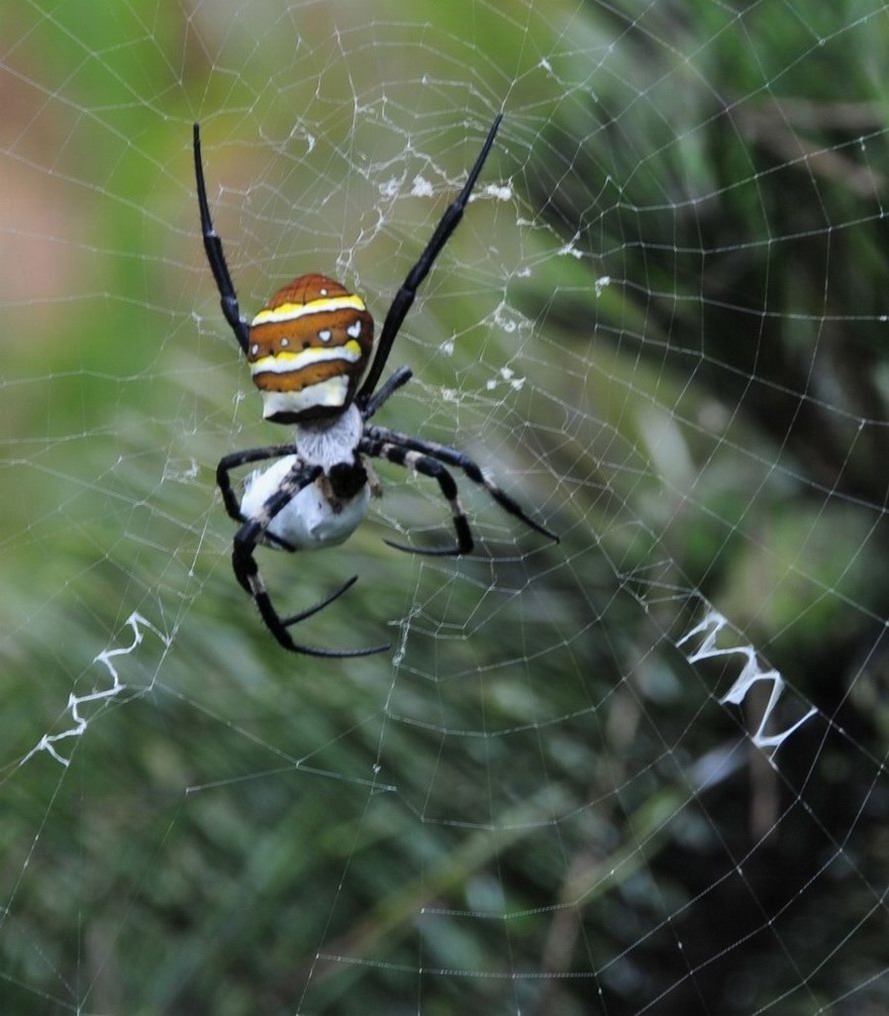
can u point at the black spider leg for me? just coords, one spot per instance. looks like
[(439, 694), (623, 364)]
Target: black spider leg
[(404, 298), (213, 247), (230, 499), (454, 457), (391, 385), (247, 572), (427, 466)]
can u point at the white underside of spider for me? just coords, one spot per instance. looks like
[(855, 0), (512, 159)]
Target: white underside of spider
[(314, 517), (311, 520)]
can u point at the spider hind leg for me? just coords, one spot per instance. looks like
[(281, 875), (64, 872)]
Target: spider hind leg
[(427, 466), (382, 437), (247, 572), (335, 595)]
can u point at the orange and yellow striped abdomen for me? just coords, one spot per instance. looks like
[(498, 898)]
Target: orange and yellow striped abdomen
[(308, 348)]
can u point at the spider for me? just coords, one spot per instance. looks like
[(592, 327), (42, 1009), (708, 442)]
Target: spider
[(307, 350)]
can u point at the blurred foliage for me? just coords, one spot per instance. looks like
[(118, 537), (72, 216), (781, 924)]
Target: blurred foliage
[(535, 781)]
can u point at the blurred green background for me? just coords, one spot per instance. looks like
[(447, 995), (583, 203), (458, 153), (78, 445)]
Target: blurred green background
[(662, 325)]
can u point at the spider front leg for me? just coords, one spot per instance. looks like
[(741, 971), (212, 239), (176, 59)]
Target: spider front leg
[(427, 466), (395, 381), (247, 572), (407, 293), (213, 247)]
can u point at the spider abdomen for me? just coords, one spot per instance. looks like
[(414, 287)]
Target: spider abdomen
[(308, 348), (315, 517)]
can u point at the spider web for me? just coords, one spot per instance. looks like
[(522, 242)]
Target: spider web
[(640, 771)]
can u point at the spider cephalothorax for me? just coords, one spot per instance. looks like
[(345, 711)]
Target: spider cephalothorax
[(307, 350)]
